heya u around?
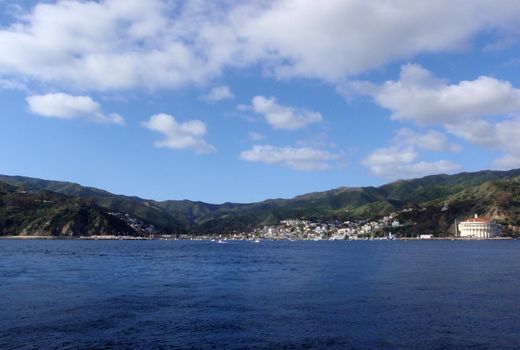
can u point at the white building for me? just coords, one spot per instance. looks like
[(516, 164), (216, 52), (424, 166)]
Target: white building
[(478, 228)]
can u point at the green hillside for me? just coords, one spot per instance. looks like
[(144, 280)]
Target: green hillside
[(498, 199), (45, 213), (483, 192)]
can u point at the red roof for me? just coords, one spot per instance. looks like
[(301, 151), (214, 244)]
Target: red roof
[(485, 221)]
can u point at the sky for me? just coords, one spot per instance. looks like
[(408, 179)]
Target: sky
[(240, 101)]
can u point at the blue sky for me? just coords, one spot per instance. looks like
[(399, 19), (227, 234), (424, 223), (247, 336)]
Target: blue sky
[(243, 101)]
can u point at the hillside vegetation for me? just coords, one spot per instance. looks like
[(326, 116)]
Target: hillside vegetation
[(492, 193), (44, 213)]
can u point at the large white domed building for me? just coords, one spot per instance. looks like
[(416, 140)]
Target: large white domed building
[(478, 228)]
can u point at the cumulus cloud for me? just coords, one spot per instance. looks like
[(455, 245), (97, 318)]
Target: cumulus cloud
[(6, 84), (425, 99), (297, 158), (186, 135), (282, 117), (64, 106), (431, 140), (498, 135), (115, 44), (398, 163), (484, 111), (401, 158), (345, 38), (124, 44), (507, 162), (219, 93)]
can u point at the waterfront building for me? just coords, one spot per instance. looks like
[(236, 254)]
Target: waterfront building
[(478, 228)]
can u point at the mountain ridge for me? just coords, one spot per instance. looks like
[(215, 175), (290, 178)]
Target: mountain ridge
[(345, 203)]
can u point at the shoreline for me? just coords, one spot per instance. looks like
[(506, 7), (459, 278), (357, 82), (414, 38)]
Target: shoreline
[(81, 238), (454, 239), (132, 238)]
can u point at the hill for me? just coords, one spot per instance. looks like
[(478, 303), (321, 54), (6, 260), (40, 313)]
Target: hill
[(44, 213), (464, 193), (498, 199)]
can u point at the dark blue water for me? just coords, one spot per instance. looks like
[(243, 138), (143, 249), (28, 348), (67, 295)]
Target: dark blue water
[(273, 295)]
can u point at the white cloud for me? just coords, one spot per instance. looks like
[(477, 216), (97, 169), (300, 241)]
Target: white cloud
[(425, 99), (63, 106), (6, 84), (341, 38), (500, 135), (114, 44), (297, 158), (124, 44), (282, 117), (431, 140), (484, 111), (318, 140), (402, 162), (401, 158), (219, 93), (507, 162), (256, 136), (187, 135)]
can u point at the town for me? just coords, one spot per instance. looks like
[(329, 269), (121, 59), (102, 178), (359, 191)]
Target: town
[(383, 228), (301, 229), (290, 229)]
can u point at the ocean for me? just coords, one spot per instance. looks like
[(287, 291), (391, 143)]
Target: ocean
[(74, 294)]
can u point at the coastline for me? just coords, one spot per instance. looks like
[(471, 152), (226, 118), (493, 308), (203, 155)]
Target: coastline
[(93, 238), (132, 238)]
